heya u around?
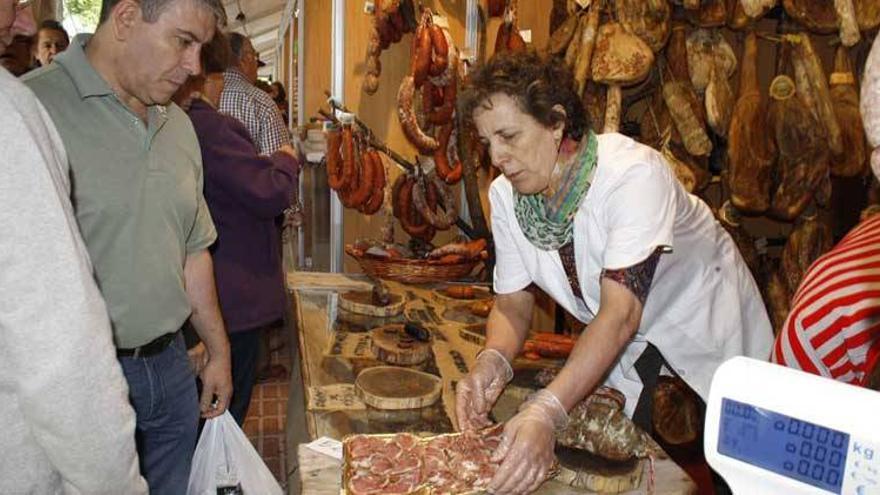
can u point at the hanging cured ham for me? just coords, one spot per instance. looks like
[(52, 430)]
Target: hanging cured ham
[(620, 59), (751, 153), (816, 15), (845, 99), (803, 156), (647, 19)]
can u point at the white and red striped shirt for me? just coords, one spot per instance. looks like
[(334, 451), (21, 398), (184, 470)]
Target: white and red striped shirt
[(833, 328)]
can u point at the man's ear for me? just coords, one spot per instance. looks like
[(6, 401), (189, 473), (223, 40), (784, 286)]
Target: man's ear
[(123, 17)]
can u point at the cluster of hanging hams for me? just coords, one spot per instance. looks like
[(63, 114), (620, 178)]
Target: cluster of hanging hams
[(355, 170), (610, 45), (391, 20)]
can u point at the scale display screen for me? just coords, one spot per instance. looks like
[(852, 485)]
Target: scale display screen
[(788, 446)]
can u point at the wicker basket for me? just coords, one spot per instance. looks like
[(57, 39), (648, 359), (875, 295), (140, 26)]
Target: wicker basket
[(413, 271)]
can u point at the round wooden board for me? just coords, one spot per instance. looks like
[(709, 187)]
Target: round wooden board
[(392, 387), (461, 313), (580, 469), (361, 302), (392, 345)]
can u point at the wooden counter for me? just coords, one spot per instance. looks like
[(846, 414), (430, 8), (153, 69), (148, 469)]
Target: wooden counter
[(332, 354)]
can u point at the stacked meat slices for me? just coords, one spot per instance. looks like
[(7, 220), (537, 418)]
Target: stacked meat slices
[(403, 463)]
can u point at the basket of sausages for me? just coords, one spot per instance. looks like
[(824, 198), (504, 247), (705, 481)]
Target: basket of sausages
[(452, 261)]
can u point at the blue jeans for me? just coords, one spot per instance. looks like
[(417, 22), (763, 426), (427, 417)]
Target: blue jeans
[(162, 390)]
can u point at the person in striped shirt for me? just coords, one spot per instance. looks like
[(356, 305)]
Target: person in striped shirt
[(833, 328)]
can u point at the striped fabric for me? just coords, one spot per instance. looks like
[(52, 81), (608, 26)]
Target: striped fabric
[(833, 328)]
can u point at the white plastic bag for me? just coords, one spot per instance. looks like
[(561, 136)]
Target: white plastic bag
[(225, 458)]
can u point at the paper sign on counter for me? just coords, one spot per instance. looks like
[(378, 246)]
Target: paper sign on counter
[(327, 446)]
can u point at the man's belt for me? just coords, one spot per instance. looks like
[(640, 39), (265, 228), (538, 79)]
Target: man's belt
[(151, 348)]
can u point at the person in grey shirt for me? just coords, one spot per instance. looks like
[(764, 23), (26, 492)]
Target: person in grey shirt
[(64, 412), (137, 193)]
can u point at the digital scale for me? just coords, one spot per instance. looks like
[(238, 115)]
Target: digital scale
[(772, 429)]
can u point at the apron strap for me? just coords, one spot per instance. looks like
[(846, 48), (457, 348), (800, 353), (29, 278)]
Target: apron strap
[(648, 367)]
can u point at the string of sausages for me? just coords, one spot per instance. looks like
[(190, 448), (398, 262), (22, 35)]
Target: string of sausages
[(391, 20), (355, 169), (427, 120)]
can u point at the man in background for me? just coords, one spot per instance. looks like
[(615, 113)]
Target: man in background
[(64, 412), (137, 177), (247, 103), (17, 56), (51, 40)]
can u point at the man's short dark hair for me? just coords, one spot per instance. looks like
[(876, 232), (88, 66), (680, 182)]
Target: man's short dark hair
[(236, 45), (54, 25), (152, 9), (216, 56)]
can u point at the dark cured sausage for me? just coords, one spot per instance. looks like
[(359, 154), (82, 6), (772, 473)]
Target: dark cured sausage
[(373, 204), (420, 199), (446, 153), (335, 177), (443, 114), (440, 49), (410, 218), (421, 60), (409, 123), (361, 192)]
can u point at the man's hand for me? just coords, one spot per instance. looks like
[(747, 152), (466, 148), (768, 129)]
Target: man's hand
[(198, 358), (208, 323), (216, 386)]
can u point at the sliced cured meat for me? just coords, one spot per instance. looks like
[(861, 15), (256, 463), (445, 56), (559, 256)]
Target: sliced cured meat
[(367, 484), (379, 464), (406, 441), (406, 462), (364, 446), (402, 483)]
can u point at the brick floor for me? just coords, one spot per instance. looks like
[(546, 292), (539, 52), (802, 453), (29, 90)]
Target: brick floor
[(267, 414)]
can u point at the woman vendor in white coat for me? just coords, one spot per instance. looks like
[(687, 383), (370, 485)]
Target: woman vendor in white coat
[(601, 224)]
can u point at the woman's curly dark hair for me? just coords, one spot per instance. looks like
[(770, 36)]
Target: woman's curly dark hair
[(537, 85)]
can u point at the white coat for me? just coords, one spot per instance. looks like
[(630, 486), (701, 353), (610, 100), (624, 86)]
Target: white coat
[(703, 307)]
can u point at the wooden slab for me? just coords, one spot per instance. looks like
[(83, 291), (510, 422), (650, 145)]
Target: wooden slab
[(461, 313), (392, 345), (361, 302), (580, 469), (475, 334), (392, 387)]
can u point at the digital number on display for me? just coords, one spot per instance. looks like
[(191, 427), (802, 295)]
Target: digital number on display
[(788, 446)]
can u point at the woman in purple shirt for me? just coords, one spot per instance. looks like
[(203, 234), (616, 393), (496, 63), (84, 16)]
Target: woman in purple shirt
[(245, 192)]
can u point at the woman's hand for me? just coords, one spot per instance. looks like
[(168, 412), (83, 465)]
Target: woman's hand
[(477, 392), (527, 445)]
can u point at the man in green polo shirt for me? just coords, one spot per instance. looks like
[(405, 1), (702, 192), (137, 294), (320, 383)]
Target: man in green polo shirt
[(137, 191)]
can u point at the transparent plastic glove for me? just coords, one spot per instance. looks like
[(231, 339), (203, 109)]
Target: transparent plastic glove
[(527, 445), (477, 392)]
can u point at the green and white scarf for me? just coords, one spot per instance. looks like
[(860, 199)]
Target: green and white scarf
[(548, 222)]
